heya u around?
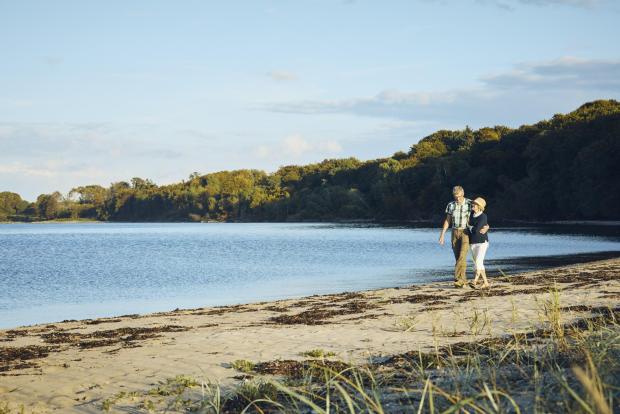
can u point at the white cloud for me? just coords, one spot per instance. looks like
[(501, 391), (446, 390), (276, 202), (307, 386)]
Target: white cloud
[(51, 168), (263, 151), (53, 60), (15, 103), (510, 4), (330, 147), (527, 93), (41, 139), (44, 157), (576, 3), (296, 145), (197, 134), (391, 104), (44, 140), (19, 168), (567, 73), (280, 75)]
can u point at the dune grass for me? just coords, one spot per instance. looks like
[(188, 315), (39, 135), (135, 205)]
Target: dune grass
[(556, 367), (242, 365), (318, 353)]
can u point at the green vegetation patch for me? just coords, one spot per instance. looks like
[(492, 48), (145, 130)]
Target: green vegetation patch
[(243, 365), (318, 353), (561, 168)]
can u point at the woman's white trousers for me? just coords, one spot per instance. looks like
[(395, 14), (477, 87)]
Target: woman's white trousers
[(478, 250)]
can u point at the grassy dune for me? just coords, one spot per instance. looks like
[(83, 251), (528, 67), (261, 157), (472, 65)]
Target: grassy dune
[(563, 367)]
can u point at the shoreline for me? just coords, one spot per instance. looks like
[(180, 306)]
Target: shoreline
[(495, 268), (432, 223), (75, 366)]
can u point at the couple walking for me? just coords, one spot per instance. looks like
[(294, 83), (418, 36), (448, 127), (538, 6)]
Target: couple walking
[(469, 227)]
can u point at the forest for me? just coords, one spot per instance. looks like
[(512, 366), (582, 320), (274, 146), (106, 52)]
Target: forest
[(567, 167)]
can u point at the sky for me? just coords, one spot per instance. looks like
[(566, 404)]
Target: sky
[(94, 92)]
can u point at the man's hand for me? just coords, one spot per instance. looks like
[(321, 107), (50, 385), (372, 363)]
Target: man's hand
[(444, 228), (484, 229)]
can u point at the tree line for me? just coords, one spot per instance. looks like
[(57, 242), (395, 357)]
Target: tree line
[(567, 167)]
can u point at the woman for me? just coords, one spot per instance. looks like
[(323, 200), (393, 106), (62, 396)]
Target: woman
[(478, 242)]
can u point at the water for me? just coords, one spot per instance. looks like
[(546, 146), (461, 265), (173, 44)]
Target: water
[(51, 272)]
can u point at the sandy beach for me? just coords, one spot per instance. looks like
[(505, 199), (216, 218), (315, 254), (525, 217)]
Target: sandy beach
[(74, 366)]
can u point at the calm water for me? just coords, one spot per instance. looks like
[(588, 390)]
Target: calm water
[(51, 272)]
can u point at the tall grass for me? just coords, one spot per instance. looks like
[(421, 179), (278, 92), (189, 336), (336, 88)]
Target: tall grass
[(558, 368), (575, 371)]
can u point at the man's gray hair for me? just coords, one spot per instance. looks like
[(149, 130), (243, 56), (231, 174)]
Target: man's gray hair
[(458, 190)]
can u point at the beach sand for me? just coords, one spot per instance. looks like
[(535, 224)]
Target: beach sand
[(73, 366)]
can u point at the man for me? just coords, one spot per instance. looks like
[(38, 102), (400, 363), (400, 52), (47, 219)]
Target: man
[(457, 217)]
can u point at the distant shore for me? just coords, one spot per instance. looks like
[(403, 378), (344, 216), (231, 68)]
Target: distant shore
[(571, 222), (89, 365), (67, 221), (426, 223)]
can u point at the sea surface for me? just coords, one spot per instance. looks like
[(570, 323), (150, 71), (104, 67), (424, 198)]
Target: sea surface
[(53, 272)]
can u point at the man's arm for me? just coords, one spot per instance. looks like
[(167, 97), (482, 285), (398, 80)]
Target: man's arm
[(446, 224), (481, 226)]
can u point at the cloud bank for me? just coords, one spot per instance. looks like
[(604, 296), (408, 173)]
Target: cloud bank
[(38, 157), (511, 4), (295, 147), (562, 74), (576, 3), (526, 92), (281, 76)]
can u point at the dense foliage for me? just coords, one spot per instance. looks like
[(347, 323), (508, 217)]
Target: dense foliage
[(567, 167)]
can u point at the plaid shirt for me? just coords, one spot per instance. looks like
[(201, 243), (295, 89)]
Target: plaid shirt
[(460, 213)]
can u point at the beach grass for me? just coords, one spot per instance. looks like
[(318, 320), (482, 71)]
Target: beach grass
[(557, 367), (242, 365), (318, 353)]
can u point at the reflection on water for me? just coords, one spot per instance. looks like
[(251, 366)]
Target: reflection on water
[(52, 272)]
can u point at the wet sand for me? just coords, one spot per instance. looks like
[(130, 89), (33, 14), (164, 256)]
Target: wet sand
[(73, 366)]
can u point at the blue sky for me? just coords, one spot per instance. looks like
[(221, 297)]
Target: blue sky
[(93, 92)]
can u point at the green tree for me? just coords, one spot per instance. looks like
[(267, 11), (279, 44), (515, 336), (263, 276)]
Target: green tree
[(48, 205)]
